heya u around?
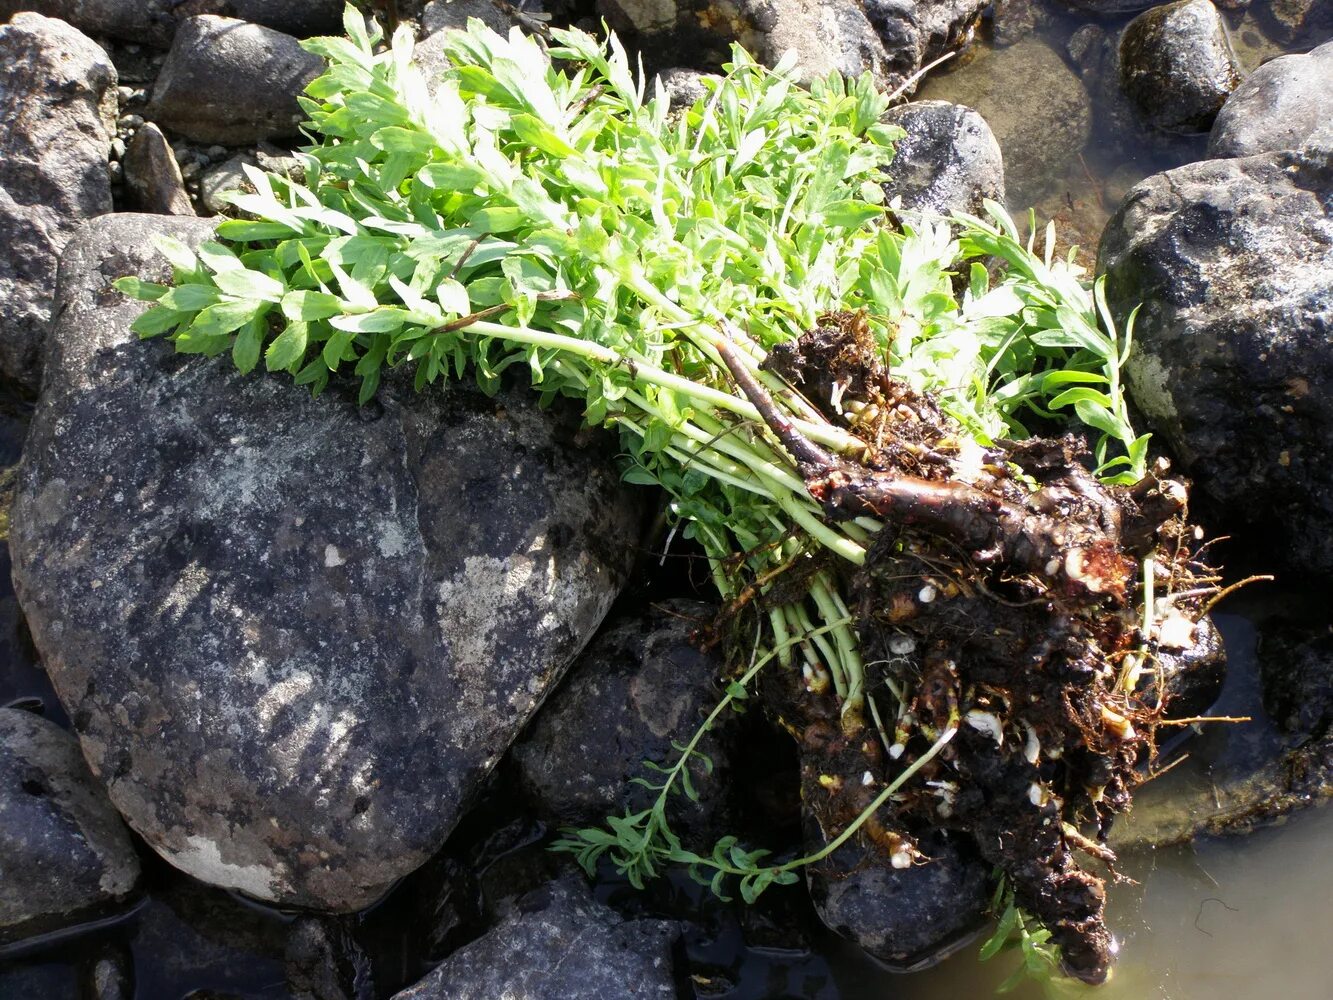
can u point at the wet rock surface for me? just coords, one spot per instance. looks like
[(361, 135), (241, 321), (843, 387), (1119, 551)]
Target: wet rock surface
[(324, 962), (908, 917), (57, 122), (1177, 65), (558, 943), (65, 855), (1240, 776), (1232, 261), (152, 176), (639, 686), (1039, 139), (316, 626), (227, 81), (948, 162), (1280, 106)]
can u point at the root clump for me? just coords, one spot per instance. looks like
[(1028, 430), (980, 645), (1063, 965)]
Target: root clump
[(1001, 601)]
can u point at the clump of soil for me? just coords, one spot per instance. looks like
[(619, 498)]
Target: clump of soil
[(1002, 599)]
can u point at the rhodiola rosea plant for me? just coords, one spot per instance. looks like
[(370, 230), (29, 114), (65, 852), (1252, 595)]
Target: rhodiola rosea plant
[(956, 620)]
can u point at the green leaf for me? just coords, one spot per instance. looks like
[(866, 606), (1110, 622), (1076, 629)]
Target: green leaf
[(287, 348), (156, 321), (224, 318), (250, 285), (306, 307), (182, 258), (137, 288), (382, 320), (245, 350), (851, 214), (190, 298)]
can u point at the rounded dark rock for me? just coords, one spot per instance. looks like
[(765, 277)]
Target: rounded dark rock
[(1281, 105), (1177, 65), (65, 856), (300, 640), (641, 684), (1292, 19), (907, 917), (558, 942), (948, 162), (231, 82), (1232, 261)]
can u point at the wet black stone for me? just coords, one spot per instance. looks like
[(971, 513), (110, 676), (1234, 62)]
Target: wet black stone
[(641, 684), (1177, 65), (1282, 105), (909, 917), (949, 161), (65, 856), (557, 943), (1232, 261)]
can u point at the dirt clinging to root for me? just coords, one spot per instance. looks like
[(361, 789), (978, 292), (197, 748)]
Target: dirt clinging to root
[(1002, 599)]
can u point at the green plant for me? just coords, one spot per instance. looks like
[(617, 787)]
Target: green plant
[(1015, 929), (536, 210)]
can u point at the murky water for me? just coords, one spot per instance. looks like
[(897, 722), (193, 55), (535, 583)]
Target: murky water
[(1226, 919)]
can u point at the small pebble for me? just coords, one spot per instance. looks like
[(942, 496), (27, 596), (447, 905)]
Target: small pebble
[(114, 171), (189, 169), (117, 149), (126, 94), (131, 121), (216, 153)]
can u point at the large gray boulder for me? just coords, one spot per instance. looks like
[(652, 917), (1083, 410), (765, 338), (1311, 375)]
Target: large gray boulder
[(153, 22), (949, 160), (65, 855), (57, 122), (1177, 66), (293, 634), (1280, 106), (1233, 349), (558, 943), (230, 82)]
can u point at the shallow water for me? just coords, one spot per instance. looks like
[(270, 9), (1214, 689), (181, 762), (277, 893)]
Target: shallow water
[(1029, 92)]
